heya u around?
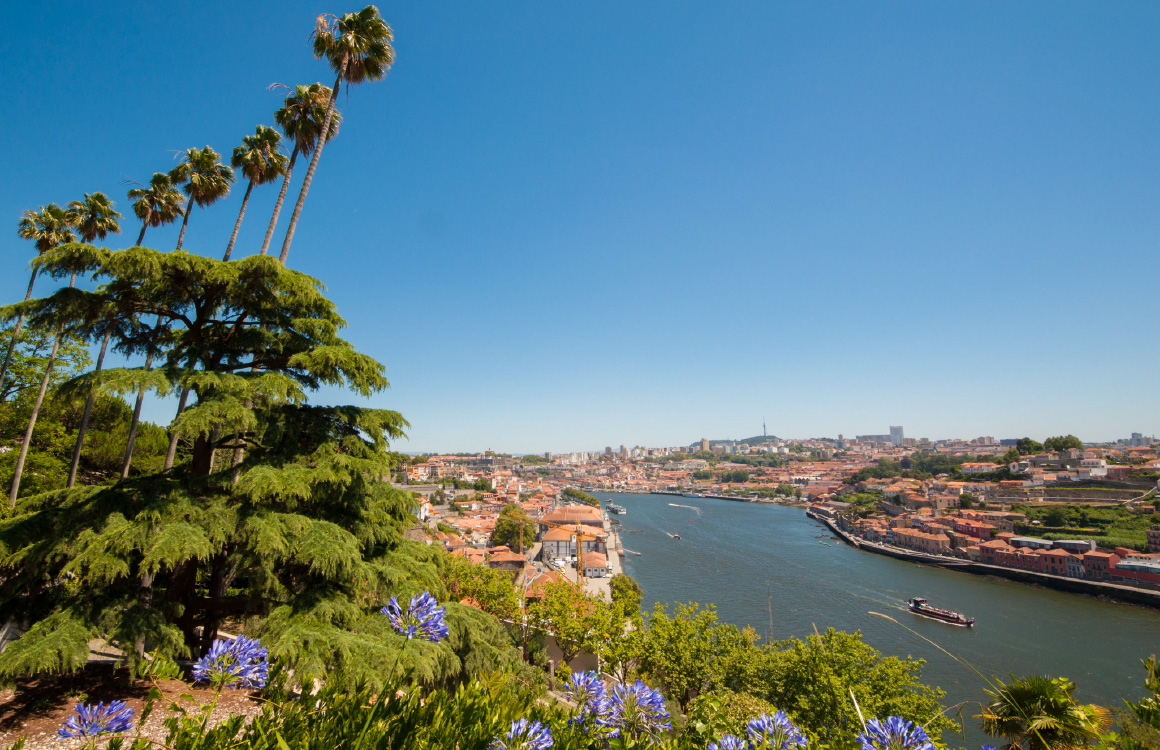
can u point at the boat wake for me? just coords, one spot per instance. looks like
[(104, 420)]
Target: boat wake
[(690, 507)]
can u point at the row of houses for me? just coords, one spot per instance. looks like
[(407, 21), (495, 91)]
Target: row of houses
[(988, 538)]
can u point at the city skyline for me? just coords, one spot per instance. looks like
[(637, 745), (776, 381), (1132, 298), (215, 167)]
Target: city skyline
[(557, 225)]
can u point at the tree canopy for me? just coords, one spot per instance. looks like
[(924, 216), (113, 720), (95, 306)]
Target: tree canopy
[(302, 534)]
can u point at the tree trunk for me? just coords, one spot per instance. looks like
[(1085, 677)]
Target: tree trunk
[(238, 223), (278, 203), (136, 421), (15, 336), (76, 458), (202, 462), (19, 471), (172, 452), (16, 476), (181, 237), (144, 226), (313, 166), (145, 597)]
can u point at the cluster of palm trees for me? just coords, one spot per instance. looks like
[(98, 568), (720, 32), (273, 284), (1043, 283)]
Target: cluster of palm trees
[(358, 48)]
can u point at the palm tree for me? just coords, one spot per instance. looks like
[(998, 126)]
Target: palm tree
[(160, 203), (48, 227), (260, 162), (301, 120), (204, 179), (1039, 713), (95, 219), (358, 47)]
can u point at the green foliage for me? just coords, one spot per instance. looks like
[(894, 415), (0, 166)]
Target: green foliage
[(1062, 443), (812, 680), (626, 592), (533, 459), (493, 591), (513, 528), (702, 474), (1140, 724), (739, 476), (724, 711), (576, 619), (1039, 713), (1108, 527), (689, 651), (302, 539), (580, 496), (1027, 447)]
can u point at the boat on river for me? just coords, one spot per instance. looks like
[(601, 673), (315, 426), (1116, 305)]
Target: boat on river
[(617, 509), (919, 606)]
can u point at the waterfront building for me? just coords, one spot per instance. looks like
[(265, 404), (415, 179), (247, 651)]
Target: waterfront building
[(1098, 565)]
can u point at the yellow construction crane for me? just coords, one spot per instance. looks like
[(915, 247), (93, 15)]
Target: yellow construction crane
[(576, 529)]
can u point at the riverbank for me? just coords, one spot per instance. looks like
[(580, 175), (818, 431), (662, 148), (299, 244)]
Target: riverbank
[(1105, 589), (769, 567)]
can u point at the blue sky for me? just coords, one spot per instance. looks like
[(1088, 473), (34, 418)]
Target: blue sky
[(565, 226)]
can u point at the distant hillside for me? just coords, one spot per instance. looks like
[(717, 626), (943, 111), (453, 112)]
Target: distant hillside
[(757, 440)]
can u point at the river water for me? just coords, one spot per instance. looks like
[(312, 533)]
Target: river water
[(743, 556)]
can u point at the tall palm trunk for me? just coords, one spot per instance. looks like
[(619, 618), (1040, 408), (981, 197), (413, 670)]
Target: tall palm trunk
[(19, 471), (181, 237), (144, 226), (278, 203), (238, 223), (137, 411), (136, 421), (171, 454), (15, 336), (313, 166), (76, 458)]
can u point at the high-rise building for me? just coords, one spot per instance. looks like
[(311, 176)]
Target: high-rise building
[(896, 435), (704, 444)]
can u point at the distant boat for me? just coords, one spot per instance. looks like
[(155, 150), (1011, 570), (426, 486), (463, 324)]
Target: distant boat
[(676, 536), (920, 607), (692, 494), (617, 509)]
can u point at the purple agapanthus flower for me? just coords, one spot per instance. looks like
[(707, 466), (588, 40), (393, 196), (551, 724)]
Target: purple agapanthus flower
[(729, 742), (423, 617), (775, 732), (524, 735), (90, 721), (988, 747), (896, 733), (242, 662), (637, 711), (587, 690)]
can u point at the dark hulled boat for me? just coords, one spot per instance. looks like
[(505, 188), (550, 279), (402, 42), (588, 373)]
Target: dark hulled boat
[(920, 606)]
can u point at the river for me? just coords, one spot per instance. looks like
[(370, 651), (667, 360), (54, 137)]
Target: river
[(741, 556)]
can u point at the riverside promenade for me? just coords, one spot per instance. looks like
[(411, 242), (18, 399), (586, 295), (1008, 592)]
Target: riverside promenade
[(1107, 589)]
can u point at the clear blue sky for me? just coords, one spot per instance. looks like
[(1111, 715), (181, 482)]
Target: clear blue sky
[(569, 225)]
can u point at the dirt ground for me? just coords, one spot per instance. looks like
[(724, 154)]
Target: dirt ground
[(37, 708)]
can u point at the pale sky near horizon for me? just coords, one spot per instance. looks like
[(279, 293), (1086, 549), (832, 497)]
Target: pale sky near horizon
[(569, 226)]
